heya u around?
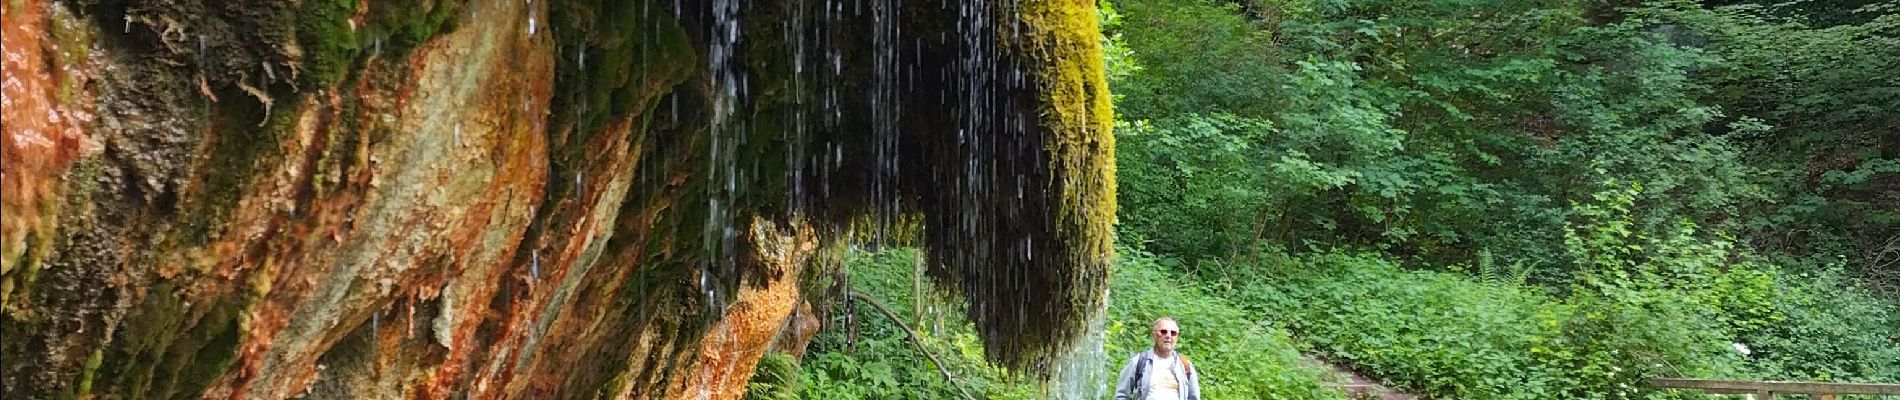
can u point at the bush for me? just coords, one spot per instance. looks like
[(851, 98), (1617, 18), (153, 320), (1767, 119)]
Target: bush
[(1450, 336), (1644, 303), (1828, 328), (879, 362), (1240, 357), (775, 378), (1814, 325)]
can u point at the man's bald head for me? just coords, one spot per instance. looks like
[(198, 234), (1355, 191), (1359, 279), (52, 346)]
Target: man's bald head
[(1166, 335)]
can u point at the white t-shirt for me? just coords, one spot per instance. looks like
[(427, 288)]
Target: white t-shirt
[(1164, 378)]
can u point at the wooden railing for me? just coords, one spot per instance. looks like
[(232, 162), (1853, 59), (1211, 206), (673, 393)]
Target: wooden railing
[(1768, 390)]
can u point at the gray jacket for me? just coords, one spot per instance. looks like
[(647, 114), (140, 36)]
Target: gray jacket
[(1133, 384)]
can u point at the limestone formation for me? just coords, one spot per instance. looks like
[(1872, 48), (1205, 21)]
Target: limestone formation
[(525, 199)]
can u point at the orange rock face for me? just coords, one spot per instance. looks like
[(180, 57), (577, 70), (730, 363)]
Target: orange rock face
[(431, 215), (742, 335), (45, 109), (798, 331)]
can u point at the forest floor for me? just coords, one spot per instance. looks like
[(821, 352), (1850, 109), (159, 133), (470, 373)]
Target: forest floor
[(1355, 385)]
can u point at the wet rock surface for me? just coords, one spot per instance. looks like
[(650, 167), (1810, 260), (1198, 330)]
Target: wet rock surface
[(539, 199)]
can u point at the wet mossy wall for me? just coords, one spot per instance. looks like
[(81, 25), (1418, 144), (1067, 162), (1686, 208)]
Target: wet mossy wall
[(546, 199)]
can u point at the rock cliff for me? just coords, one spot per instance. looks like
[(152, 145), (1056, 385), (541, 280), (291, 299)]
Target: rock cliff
[(525, 199)]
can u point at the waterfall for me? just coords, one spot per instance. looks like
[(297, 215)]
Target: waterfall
[(728, 86), (1081, 375)]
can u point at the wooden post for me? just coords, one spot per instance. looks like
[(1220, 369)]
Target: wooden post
[(917, 289), (1824, 396)]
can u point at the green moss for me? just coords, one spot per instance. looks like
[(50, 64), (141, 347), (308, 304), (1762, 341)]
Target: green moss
[(236, 154), (764, 158), (768, 57), (166, 349), (81, 184), (211, 359), (339, 155), (635, 53), (25, 272), (1064, 153), (72, 38), (400, 26), (85, 377), (774, 378), (329, 44)]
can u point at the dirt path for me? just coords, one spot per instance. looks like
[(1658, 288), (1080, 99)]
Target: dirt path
[(1358, 386)]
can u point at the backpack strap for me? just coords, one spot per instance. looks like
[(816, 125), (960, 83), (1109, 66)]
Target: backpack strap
[(1141, 367), (1188, 365)]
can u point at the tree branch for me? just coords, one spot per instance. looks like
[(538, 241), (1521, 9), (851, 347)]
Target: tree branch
[(914, 340)]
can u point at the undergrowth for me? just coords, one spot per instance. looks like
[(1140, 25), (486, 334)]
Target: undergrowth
[(1239, 356)]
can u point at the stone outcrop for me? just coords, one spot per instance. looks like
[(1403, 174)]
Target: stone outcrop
[(525, 199)]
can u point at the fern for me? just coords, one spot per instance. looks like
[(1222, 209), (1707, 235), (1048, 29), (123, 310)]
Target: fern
[(775, 378)]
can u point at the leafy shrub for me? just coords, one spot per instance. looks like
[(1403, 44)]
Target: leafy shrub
[(1645, 303), (879, 362), (1806, 326), (1239, 356), (1186, 178), (1339, 140), (1827, 328), (1451, 336), (775, 378)]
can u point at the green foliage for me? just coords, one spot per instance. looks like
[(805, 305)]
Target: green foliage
[(1192, 172), (1438, 131), (1476, 139), (1826, 328), (1118, 60), (1812, 101), (1446, 335), (1238, 355), (775, 378), (878, 361), (331, 41), (1650, 303), (1806, 326), (1194, 56), (328, 41)]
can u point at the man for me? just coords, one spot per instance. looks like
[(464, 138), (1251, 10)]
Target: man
[(1159, 373)]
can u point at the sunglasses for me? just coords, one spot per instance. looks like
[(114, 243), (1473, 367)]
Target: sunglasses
[(1168, 332)]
